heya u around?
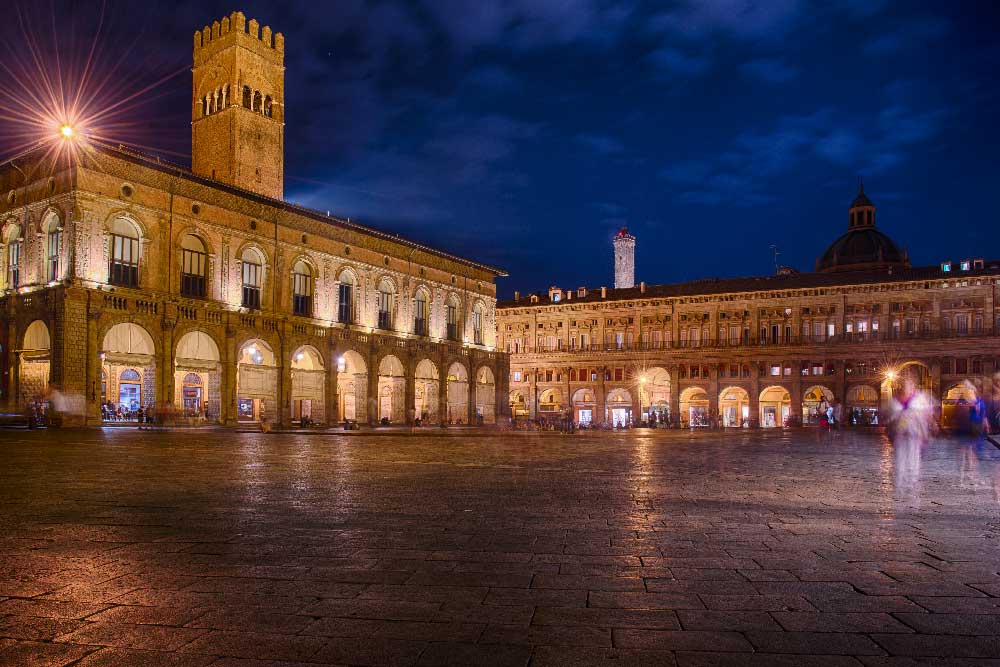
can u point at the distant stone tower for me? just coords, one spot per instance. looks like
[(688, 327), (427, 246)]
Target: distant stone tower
[(624, 259), (238, 105)]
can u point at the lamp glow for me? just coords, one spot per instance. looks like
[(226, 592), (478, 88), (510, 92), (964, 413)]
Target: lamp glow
[(67, 131)]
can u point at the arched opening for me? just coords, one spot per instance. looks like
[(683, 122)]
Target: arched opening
[(352, 387), (302, 289), (247, 103), (256, 382), (816, 402), (34, 365), (308, 382), (420, 312), (268, 107), (485, 396), (13, 239), (194, 267), (478, 313), (123, 268), (957, 406), (128, 356), (518, 405), (386, 304), (775, 403), (654, 396), (863, 405), (550, 404), (257, 101), (426, 394), (52, 228), (734, 406), (198, 377), (619, 408), (694, 407), (391, 391), (584, 405), (458, 394), (451, 318), (252, 273), (345, 297)]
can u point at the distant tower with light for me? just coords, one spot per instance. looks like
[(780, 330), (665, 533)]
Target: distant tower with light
[(238, 105), (624, 259)]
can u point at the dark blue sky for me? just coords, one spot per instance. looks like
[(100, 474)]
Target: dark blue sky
[(524, 133)]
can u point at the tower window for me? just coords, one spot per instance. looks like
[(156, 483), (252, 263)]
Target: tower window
[(257, 101), (246, 96), (268, 107)]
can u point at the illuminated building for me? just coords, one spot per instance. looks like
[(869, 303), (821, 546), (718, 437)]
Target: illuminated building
[(128, 281)]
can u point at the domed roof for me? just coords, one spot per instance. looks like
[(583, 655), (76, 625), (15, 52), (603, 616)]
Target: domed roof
[(861, 248)]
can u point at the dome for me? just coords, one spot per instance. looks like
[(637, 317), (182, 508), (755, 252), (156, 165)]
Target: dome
[(861, 248)]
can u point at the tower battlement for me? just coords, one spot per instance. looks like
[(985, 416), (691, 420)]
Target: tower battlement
[(221, 34)]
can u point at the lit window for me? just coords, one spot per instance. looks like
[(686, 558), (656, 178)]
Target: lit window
[(965, 265), (946, 266)]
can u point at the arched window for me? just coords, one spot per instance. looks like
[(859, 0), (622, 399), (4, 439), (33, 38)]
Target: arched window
[(302, 289), (204, 105), (268, 107), (420, 314), (53, 247), (345, 294), (124, 264), (13, 240), (452, 318), (386, 303), (477, 324), (256, 101), (246, 96), (194, 261), (252, 270)]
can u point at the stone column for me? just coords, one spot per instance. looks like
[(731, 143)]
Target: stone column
[(713, 391), (410, 391), (795, 392), (227, 389), (93, 385), (471, 407), (330, 389), (165, 362), (755, 395), (675, 394), (568, 389), (602, 396), (373, 397), (533, 388)]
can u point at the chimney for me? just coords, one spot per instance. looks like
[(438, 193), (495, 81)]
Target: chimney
[(604, 292), (517, 295), (642, 287), (569, 294)]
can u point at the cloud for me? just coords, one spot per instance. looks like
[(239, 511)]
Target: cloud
[(495, 78), (601, 143), (769, 70), (741, 19), (914, 33), (674, 61)]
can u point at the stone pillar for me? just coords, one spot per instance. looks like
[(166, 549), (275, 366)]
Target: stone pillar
[(284, 388), (330, 389), (227, 389), (442, 388), (502, 375), (68, 360), (373, 397), (795, 392), (410, 391), (470, 416), (713, 392), (675, 394), (165, 362), (533, 389), (568, 391), (94, 396), (602, 396), (755, 395)]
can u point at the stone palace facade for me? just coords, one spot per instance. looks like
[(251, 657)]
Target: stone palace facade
[(129, 282), (767, 350)]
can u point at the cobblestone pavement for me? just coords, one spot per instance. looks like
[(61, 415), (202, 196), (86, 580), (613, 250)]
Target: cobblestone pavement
[(213, 548)]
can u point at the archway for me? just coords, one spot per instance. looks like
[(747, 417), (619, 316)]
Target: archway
[(458, 394), (128, 356), (198, 377), (957, 404), (426, 393), (256, 382), (352, 387), (619, 408), (584, 405), (550, 404), (485, 396), (862, 405), (308, 381), (734, 407), (391, 390), (775, 403), (815, 401), (654, 395), (34, 366), (694, 407), (518, 405)]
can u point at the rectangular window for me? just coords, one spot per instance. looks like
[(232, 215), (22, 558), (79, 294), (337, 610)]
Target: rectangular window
[(517, 376), (452, 323), (251, 285), (124, 269), (54, 251), (302, 294), (193, 265), (385, 310), (477, 327), (831, 330), (962, 324), (345, 308), (14, 264), (420, 318), (619, 375), (775, 370), (961, 366)]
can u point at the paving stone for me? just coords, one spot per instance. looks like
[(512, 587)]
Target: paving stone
[(119, 657), (151, 637), (820, 643), (835, 622), (952, 624), (940, 645), (549, 656), (726, 620), (632, 600), (38, 654), (606, 618), (255, 645), (688, 640)]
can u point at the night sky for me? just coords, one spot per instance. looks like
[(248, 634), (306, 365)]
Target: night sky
[(524, 133)]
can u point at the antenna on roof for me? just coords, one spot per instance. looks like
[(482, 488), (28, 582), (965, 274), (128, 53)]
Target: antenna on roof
[(774, 254)]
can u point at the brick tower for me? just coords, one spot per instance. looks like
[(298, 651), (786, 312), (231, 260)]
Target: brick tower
[(624, 259), (238, 105)]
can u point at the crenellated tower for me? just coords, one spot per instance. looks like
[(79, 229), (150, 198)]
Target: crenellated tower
[(238, 105), (624, 244)]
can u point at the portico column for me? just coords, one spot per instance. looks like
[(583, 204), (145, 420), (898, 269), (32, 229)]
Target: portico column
[(675, 394), (410, 391), (93, 383), (471, 407), (533, 386), (713, 391), (755, 396), (330, 386), (227, 404), (602, 395), (165, 364), (373, 397), (568, 390)]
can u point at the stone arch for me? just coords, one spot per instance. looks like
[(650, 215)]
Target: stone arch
[(51, 229), (618, 407), (693, 406), (391, 390), (486, 395), (308, 375), (734, 407), (257, 101), (863, 402), (775, 405), (457, 392), (957, 404), (518, 404), (268, 109), (453, 317), (426, 394), (256, 382), (352, 387), (34, 363), (815, 401), (654, 393), (127, 345), (196, 353), (36, 337), (550, 402), (478, 322), (125, 240), (584, 402)]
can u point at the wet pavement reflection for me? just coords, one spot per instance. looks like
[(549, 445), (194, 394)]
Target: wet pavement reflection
[(210, 547)]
